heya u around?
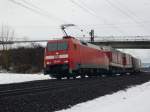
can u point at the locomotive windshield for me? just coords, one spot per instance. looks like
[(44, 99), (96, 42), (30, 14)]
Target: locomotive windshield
[(57, 46)]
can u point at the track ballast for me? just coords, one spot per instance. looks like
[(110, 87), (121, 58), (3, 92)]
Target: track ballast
[(52, 95)]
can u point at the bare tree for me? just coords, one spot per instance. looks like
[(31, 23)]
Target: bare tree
[(7, 34)]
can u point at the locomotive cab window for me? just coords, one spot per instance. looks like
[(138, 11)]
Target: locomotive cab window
[(62, 46), (52, 46), (57, 46)]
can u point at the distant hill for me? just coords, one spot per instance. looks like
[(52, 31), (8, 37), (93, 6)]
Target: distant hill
[(145, 65)]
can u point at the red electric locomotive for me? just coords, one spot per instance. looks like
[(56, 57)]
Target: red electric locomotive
[(70, 57)]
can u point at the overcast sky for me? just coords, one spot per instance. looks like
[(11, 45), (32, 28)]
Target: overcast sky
[(40, 19)]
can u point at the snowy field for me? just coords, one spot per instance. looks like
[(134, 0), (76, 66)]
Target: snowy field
[(6, 78), (135, 99)]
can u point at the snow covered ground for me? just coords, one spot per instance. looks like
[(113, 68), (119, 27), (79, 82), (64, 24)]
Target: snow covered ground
[(6, 78), (135, 99)]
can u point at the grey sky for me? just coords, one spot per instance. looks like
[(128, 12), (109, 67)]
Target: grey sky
[(107, 17)]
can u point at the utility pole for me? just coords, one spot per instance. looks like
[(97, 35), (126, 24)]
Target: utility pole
[(91, 35)]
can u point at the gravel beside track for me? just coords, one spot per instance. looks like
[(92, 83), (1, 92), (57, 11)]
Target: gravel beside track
[(54, 95)]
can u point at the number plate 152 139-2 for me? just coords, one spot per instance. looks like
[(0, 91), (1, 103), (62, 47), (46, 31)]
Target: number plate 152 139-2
[(56, 56)]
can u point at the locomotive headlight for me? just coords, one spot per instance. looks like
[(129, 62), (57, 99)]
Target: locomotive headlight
[(49, 57), (66, 61), (48, 63)]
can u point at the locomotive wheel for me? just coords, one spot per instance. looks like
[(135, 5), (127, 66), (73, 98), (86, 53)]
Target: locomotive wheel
[(82, 76), (74, 77), (68, 77), (45, 72), (89, 76)]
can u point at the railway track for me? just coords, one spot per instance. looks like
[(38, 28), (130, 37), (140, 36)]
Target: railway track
[(29, 90), (38, 87), (52, 95)]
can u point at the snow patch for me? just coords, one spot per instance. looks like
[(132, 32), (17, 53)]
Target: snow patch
[(135, 99), (6, 78)]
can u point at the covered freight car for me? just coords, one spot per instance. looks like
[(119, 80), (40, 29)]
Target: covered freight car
[(115, 60), (127, 62), (136, 64)]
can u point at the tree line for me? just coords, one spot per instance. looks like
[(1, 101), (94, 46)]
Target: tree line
[(23, 59), (19, 59)]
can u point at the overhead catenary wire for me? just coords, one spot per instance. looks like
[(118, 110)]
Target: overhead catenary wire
[(127, 9), (124, 13), (37, 10), (90, 11), (83, 8), (34, 8), (138, 23), (29, 3), (138, 19), (86, 9)]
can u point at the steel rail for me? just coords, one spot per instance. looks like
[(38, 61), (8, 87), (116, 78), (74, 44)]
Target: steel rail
[(36, 89)]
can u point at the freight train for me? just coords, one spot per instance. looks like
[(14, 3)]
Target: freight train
[(70, 57)]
